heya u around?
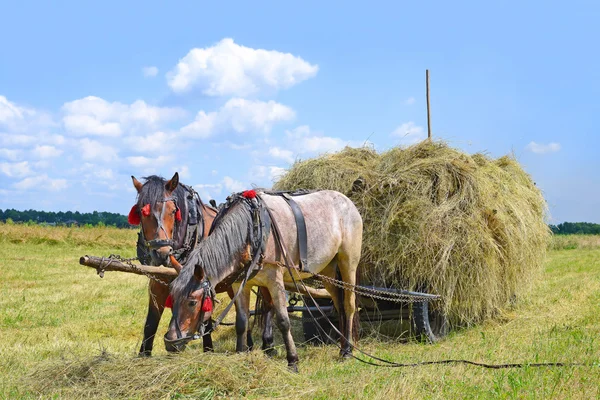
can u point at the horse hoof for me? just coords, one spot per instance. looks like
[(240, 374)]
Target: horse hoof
[(144, 354), (293, 368), (345, 356), (271, 352)]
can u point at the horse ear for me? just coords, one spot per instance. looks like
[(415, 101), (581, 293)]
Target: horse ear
[(198, 272), (172, 184), (137, 184)]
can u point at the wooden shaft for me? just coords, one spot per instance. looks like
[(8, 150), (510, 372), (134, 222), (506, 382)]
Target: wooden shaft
[(116, 265), (428, 108)]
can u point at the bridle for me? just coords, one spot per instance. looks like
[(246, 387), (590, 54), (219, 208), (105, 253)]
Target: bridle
[(200, 328), (158, 243)]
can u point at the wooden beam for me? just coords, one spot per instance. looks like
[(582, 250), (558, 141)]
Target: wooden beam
[(428, 108), (107, 264)]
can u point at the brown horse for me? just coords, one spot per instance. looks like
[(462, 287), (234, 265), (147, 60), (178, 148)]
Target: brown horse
[(334, 240), (173, 220)]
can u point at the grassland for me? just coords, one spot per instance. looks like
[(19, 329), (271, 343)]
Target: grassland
[(66, 333)]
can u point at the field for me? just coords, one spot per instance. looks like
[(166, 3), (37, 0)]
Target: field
[(66, 333)]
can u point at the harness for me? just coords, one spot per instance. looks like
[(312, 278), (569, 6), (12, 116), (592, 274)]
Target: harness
[(194, 229)]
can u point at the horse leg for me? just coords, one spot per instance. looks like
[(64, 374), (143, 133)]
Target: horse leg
[(267, 322), (242, 311), (277, 291), (157, 294), (347, 265), (337, 295), (207, 343)]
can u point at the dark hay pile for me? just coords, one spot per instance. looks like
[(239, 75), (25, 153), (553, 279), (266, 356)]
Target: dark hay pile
[(467, 227)]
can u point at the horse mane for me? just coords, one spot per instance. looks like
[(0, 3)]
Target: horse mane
[(229, 237), (153, 191)]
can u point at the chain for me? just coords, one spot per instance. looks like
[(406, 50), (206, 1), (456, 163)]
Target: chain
[(128, 261), (374, 293)]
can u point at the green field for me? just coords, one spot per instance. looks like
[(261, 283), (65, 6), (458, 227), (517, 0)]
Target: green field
[(66, 333)]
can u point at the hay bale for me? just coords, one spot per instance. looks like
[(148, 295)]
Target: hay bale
[(469, 228)]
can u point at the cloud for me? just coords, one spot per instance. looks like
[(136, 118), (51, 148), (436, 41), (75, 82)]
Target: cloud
[(150, 72), (41, 182), (304, 140), (9, 154), (410, 101), (147, 162), (228, 69), (155, 142), (46, 151), (540, 148), (15, 170), (233, 185), (282, 154), (94, 150), (95, 116), (10, 112), (241, 116), (409, 133)]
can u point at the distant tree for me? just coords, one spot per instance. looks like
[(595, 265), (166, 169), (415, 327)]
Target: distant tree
[(44, 217), (576, 228)]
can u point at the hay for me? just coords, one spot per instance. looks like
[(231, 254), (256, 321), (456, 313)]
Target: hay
[(469, 228)]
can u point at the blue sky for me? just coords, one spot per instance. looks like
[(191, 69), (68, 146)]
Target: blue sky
[(229, 95)]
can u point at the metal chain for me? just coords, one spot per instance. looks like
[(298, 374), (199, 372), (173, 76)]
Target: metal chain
[(374, 293), (128, 261)]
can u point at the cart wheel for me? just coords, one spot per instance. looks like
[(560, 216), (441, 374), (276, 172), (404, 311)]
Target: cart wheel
[(431, 326), (312, 333)]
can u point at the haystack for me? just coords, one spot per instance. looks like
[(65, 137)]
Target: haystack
[(467, 227)]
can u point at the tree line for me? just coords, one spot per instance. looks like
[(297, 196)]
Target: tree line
[(64, 218), (571, 228)]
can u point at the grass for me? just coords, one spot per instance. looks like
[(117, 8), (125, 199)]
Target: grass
[(66, 333)]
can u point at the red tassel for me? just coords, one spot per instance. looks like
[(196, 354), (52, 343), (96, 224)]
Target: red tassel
[(207, 305), (249, 194), (169, 302), (178, 215), (134, 216), (146, 210)]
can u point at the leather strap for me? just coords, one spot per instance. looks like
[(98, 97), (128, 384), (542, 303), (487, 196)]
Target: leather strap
[(301, 228)]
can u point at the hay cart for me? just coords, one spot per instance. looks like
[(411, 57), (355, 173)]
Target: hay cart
[(376, 305)]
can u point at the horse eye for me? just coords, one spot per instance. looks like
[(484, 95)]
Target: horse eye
[(192, 303)]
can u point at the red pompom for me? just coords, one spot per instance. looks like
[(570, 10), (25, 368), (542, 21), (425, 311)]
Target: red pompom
[(146, 210), (249, 194), (134, 216), (178, 215), (169, 302), (207, 305)]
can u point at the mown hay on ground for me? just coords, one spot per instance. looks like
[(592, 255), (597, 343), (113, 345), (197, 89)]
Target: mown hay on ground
[(467, 227)]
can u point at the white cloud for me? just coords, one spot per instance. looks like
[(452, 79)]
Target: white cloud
[(282, 154), (95, 116), (409, 133), (41, 182), (276, 172), (7, 139), (10, 112), (94, 150), (241, 116), (540, 148), (410, 101), (306, 141), (46, 151), (155, 142), (15, 170), (9, 154), (147, 162), (150, 72), (228, 69), (233, 185)]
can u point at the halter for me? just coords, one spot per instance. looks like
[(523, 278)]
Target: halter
[(158, 243), (200, 328)]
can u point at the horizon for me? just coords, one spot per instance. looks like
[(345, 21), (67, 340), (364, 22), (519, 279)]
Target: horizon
[(231, 96)]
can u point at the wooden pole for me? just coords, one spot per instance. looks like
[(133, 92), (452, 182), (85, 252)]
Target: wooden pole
[(104, 264), (428, 108)]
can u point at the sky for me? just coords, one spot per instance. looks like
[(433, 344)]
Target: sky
[(229, 95)]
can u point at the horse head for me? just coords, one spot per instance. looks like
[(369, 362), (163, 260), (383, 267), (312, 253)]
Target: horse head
[(159, 211), (191, 310)]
